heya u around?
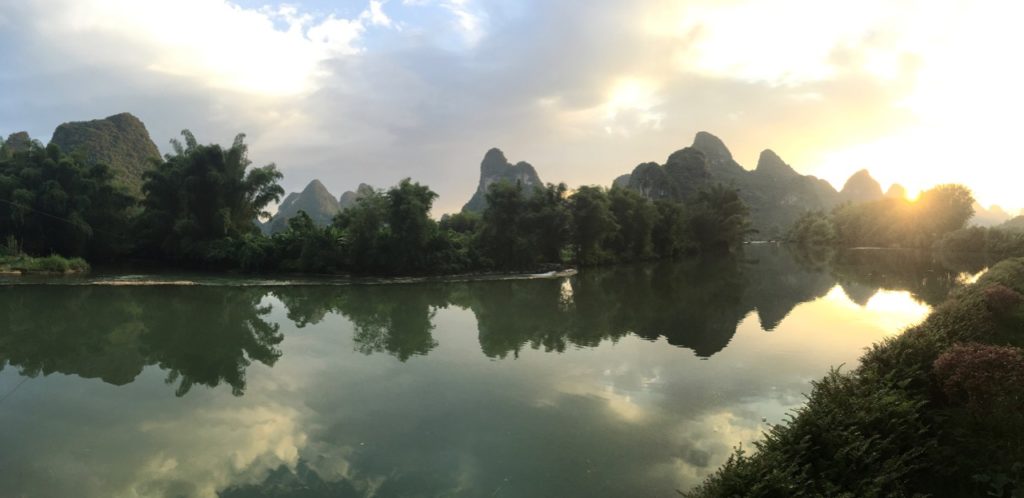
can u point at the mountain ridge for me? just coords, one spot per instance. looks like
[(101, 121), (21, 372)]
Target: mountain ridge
[(494, 168), (120, 141)]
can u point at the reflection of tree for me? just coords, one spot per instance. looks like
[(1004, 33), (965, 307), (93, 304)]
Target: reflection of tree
[(696, 305), (780, 280), (92, 333), (397, 319), (209, 335), (201, 335), (512, 313), (862, 273)]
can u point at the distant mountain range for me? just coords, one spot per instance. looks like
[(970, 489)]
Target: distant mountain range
[(776, 194), (317, 202), (989, 217), (1014, 225)]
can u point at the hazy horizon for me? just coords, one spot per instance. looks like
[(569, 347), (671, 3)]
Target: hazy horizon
[(374, 91)]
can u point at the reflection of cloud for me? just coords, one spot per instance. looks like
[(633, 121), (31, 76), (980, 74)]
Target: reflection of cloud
[(887, 310), (241, 446)]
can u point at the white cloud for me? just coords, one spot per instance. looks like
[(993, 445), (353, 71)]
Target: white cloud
[(469, 21), (215, 42), (375, 14)]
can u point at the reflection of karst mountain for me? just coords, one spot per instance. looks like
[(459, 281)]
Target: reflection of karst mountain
[(778, 283), (211, 335), (199, 335), (863, 273), (696, 305)]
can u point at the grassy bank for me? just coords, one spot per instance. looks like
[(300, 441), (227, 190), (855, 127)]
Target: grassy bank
[(48, 265), (936, 411)]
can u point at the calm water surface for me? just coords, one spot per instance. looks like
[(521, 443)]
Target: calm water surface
[(630, 381)]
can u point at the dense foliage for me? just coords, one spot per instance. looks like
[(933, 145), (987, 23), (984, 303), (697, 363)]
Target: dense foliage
[(200, 208), (889, 222), (935, 411), (995, 242), (53, 203), (201, 199)]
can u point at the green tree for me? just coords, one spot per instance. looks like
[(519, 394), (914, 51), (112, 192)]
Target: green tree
[(720, 221), (635, 216), (944, 209), (547, 222), (54, 203), (364, 226), (502, 239), (813, 228), (202, 195), (592, 224), (669, 235), (411, 228)]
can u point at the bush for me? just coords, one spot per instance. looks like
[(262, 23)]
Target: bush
[(906, 422), (49, 264), (1002, 299), (982, 377)]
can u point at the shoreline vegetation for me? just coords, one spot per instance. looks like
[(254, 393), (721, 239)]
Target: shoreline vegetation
[(935, 411), (49, 265), (201, 204)]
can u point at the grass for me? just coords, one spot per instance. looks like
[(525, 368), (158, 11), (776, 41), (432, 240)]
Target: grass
[(49, 264), (936, 411)]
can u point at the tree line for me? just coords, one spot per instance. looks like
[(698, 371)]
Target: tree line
[(201, 203), (936, 220)]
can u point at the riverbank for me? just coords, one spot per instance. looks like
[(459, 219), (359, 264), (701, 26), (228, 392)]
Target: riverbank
[(937, 410), (49, 265)]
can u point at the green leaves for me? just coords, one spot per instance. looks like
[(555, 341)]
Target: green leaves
[(202, 194)]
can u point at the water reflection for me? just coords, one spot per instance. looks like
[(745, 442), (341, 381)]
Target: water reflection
[(211, 335), (432, 389), (199, 336)]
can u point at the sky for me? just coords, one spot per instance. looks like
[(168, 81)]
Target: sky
[(352, 91)]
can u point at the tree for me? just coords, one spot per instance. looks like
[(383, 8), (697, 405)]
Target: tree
[(501, 238), (813, 228), (364, 228), (547, 222), (944, 209), (54, 203), (720, 221), (669, 235), (412, 229), (592, 224), (202, 195), (635, 216)]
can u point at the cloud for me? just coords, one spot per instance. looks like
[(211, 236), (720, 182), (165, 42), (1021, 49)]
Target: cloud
[(375, 14), (584, 90), (267, 51)]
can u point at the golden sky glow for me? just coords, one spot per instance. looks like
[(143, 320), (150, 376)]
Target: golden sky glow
[(918, 92)]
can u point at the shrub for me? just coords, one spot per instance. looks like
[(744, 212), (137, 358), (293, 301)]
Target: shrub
[(1001, 299), (982, 377)]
